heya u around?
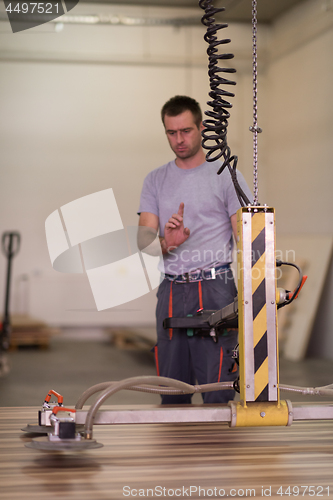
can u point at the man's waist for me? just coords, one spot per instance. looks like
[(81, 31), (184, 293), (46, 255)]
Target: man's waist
[(198, 274)]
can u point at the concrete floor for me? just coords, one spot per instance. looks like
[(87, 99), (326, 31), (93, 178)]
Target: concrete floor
[(70, 365)]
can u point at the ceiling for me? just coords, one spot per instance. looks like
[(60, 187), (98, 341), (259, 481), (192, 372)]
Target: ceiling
[(236, 10)]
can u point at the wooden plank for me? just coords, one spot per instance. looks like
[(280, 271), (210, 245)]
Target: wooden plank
[(169, 460)]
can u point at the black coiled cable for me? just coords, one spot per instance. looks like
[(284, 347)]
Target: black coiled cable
[(215, 128)]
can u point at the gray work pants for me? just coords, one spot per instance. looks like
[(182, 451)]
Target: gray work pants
[(195, 358)]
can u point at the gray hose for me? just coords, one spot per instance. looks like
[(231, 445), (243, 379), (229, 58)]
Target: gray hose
[(134, 382), (100, 387), (218, 386), (171, 386), (327, 390)]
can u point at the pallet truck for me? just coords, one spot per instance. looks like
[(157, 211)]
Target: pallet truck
[(10, 243)]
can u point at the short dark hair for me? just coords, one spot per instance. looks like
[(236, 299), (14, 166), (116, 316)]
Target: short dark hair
[(180, 103)]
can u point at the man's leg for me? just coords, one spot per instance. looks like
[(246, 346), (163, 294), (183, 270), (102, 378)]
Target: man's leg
[(172, 354), (213, 361)]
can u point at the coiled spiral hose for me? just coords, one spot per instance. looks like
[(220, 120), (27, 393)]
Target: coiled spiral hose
[(215, 127)]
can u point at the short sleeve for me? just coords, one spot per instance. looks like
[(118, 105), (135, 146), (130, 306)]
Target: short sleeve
[(148, 199)]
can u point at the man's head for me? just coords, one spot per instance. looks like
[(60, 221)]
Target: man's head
[(180, 103), (182, 121)]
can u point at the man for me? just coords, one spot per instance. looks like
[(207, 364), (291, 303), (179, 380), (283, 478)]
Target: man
[(194, 211)]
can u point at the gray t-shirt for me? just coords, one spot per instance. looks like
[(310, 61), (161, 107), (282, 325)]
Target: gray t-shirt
[(209, 199)]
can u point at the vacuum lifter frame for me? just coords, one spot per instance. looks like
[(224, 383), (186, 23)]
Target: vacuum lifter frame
[(260, 403)]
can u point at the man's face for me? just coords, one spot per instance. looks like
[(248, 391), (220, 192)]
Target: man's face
[(183, 134)]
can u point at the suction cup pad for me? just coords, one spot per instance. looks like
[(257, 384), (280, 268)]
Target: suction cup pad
[(43, 443), (36, 429)]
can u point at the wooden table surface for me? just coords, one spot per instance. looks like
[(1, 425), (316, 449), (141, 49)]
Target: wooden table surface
[(169, 461)]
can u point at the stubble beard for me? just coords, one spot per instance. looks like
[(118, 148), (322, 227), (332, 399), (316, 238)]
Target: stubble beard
[(188, 153)]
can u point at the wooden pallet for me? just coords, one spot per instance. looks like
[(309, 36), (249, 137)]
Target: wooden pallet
[(38, 338), (27, 331), (123, 338)]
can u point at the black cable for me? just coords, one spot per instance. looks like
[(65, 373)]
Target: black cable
[(215, 130), (297, 289)]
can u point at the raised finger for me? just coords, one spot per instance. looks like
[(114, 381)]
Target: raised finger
[(181, 209)]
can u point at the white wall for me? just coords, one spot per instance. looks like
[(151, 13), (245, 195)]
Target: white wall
[(299, 175), (300, 129), (80, 113)]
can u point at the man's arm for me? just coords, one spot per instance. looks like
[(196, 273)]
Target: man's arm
[(149, 220), (174, 232), (147, 232), (148, 229), (233, 220)]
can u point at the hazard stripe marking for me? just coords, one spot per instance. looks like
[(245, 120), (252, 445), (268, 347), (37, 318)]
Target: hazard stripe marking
[(258, 246), (260, 352), (257, 260), (261, 382), (257, 224), (263, 396), (259, 325), (258, 272), (259, 299), (259, 309)]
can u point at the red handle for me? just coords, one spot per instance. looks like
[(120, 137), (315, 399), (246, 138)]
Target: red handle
[(61, 408), (57, 395)]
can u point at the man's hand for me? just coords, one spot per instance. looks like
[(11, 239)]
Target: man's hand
[(174, 232)]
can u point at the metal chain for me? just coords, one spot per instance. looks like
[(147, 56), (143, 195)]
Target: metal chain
[(255, 129)]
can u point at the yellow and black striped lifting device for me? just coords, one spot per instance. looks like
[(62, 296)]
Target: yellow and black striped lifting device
[(257, 309), (257, 321), (257, 304)]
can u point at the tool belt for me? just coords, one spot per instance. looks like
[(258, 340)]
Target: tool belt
[(198, 275), (206, 322)]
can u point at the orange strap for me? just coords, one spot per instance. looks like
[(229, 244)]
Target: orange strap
[(221, 361), (200, 295), (156, 360), (170, 310)]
